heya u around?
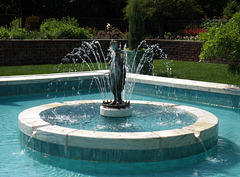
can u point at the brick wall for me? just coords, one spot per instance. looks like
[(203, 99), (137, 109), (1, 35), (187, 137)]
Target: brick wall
[(25, 52), (180, 50)]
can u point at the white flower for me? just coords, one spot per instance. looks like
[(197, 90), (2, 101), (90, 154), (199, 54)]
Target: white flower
[(108, 26)]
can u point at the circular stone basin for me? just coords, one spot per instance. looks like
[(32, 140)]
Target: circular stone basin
[(145, 118), (129, 147)]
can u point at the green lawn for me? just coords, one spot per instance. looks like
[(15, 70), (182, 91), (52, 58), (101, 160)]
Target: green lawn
[(209, 72), (177, 69), (46, 69)]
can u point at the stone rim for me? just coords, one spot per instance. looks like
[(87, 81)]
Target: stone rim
[(205, 128)]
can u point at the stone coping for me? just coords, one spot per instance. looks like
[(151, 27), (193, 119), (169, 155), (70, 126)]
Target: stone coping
[(45, 78), (145, 79), (186, 84), (204, 129)]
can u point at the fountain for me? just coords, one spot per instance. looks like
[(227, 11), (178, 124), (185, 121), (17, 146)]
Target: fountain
[(117, 146)]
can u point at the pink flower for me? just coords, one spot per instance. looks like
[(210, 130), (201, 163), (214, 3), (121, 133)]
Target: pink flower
[(108, 26)]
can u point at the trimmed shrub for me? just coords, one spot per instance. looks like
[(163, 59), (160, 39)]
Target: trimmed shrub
[(66, 28), (63, 29)]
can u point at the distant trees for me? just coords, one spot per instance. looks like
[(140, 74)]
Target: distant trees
[(212, 8), (60, 8), (157, 11)]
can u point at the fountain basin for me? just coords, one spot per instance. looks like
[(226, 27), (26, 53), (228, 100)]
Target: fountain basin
[(118, 147)]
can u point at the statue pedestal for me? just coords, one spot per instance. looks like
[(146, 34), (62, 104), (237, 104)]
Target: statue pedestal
[(113, 112)]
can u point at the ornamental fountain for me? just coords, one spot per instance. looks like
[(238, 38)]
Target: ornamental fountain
[(41, 131)]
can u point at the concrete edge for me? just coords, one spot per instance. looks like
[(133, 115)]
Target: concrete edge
[(205, 127), (144, 79)]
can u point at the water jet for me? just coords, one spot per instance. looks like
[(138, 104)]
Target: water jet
[(117, 146)]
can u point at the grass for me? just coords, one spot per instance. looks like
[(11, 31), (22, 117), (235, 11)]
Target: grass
[(209, 72), (176, 69), (45, 69)]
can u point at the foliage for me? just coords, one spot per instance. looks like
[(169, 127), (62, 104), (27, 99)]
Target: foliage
[(60, 8), (191, 32), (212, 8), (32, 23), (170, 36), (4, 33), (156, 11), (111, 32), (19, 33), (16, 31), (223, 42), (135, 24), (70, 21), (92, 30), (168, 8), (231, 8), (208, 23), (16, 23), (66, 28)]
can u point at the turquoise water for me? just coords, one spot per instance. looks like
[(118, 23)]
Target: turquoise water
[(144, 118), (16, 160)]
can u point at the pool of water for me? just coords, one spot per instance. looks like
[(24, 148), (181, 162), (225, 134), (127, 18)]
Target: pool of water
[(144, 118), (17, 160)]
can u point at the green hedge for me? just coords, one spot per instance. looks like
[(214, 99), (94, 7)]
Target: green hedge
[(66, 28), (4, 33), (223, 42)]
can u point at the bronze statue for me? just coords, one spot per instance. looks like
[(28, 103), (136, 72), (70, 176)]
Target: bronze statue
[(117, 75)]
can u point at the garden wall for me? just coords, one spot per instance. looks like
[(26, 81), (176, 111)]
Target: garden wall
[(26, 52)]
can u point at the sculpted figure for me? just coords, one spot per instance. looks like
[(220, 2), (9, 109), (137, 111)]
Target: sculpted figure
[(117, 73)]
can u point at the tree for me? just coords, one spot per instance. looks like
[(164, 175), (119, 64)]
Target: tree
[(135, 23), (223, 42), (212, 8), (156, 11), (60, 8), (10, 7), (231, 8), (97, 9)]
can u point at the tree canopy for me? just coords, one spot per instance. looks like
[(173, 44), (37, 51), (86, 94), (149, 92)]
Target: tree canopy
[(78, 8), (155, 12)]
